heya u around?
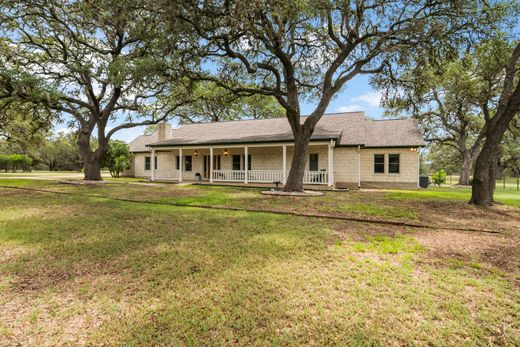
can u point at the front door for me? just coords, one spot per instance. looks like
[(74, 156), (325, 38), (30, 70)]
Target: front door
[(216, 164), (206, 167)]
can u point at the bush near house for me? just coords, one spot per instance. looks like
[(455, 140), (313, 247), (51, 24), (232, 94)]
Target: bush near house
[(439, 177), (118, 158)]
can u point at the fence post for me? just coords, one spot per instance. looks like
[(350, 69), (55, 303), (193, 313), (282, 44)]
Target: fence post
[(517, 181)]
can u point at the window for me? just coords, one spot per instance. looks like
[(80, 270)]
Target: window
[(248, 162), (187, 163), (147, 162), (236, 162), (177, 162), (393, 163), (313, 162), (379, 163)]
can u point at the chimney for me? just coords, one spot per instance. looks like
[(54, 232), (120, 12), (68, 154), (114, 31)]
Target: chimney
[(164, 131)]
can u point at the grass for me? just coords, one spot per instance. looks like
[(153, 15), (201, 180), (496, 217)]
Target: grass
[(379, 211), (508, 197), (99, 271), (385, 244)]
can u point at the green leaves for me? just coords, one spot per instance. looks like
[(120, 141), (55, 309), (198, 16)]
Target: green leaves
[(118, 158)]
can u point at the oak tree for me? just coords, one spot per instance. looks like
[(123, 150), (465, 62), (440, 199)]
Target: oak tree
[(499, 113), (100, 63), (307, 51)]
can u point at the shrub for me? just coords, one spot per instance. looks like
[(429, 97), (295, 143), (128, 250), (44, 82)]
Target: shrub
[(118, 158), (439, 177), (5, 162), (15, 162)]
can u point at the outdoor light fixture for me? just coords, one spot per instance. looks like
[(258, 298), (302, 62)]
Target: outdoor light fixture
[(413, 149), (196, 153), (225, 153)]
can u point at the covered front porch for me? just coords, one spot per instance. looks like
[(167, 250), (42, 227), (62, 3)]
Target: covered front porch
[(244, 164)]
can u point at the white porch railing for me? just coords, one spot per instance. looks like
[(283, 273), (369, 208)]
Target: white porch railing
[(315, 177), (167, 175), (229, 175), (267, 176)]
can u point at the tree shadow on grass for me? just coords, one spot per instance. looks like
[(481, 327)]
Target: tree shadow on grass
[(189, 276), (144, 243)]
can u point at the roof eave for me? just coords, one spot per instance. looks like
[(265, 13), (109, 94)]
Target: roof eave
[(220, 143)]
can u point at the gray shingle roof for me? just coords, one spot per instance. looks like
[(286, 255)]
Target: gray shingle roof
[(139, 143), (348, 129)]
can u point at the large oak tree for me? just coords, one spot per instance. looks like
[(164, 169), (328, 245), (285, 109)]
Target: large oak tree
[(498, 118), (307, 51), (102, 63), (443, 92)]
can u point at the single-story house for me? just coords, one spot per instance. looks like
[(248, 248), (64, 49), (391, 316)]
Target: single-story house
[(347, 150)]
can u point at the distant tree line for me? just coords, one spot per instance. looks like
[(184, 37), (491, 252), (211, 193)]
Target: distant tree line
[(57, 152)]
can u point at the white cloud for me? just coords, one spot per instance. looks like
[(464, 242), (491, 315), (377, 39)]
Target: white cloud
[(371, 98), (349, 108)]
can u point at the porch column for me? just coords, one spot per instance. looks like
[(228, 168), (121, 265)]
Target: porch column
[(330, 164), (359, 166), (211, 165), (284, 164), (152, 165), (246, 163), (181, 162)]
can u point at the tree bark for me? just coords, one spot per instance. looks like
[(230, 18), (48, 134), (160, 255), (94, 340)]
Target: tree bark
[(465, 170), (91, 159), (483, 185), (92, 170), (299, 160)]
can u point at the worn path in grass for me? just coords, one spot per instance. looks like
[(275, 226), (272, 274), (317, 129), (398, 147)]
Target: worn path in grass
[(267, 210), (98, 271), (438, 208)]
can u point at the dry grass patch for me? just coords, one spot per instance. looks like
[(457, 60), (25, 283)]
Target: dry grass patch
[(119, 273)]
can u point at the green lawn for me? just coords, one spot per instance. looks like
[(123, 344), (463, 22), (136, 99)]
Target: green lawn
[(99, 271), (509, 196)]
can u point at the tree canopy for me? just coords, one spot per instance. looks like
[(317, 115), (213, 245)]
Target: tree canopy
[(102, 63), (307, 51), (446, 91)]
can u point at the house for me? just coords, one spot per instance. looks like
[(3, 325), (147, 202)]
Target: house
[(347, 150)]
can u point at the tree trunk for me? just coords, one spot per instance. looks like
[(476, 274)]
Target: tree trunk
[(91, 159), (484, 175), (92, 170), (508, 107), (483, 185), (465, 170), (299, 160)]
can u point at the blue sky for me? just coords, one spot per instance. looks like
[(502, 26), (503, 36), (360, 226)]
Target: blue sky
[(357, 95)]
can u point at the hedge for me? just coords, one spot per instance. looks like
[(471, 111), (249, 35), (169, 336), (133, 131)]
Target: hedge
[(15, 162)]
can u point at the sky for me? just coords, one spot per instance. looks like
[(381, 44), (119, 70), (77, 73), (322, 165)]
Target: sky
[(357, 95)]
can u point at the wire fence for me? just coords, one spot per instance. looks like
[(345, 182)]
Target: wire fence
[(503, 182)]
